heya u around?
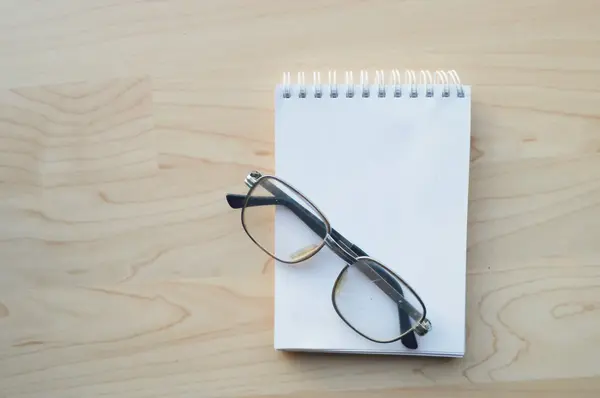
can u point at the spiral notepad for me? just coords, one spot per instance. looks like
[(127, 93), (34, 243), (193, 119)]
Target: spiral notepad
[(386, 159)]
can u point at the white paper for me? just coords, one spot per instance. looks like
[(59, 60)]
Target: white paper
[(391, 175)]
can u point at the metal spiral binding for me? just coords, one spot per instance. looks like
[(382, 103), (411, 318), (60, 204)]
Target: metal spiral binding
[(441, 80)]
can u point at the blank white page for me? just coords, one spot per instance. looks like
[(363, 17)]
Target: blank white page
[(391, 175)]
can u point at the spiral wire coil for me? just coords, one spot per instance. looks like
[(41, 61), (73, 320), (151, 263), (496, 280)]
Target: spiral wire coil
[(393, 86)]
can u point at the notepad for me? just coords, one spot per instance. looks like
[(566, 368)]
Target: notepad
[(386, 159)]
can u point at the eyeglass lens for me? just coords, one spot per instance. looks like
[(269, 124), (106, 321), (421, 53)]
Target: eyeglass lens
[(375, 302), (296, 233)]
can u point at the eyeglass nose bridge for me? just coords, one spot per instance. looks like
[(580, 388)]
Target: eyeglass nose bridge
[(343, 252)]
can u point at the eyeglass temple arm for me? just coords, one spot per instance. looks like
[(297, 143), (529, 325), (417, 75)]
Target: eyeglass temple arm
[(237, 201)]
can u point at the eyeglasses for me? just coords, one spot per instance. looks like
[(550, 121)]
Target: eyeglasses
[(368, 296)]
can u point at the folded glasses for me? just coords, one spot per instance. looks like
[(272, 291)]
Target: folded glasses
[(368, 296)]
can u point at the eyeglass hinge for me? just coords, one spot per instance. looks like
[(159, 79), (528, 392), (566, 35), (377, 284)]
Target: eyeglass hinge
[(252, 178), (423, 327)]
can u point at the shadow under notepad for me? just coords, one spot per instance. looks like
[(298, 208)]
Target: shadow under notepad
[(365, 368)]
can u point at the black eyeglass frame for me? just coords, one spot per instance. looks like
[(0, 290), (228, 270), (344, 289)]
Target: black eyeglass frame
[(382, 276)]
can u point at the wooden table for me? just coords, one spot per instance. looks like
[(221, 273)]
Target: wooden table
[(123, 123)]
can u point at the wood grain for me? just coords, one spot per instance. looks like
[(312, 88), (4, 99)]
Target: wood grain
[(122, 124)]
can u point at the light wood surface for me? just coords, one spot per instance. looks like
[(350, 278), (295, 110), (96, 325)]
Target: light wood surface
[(123, 124)]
